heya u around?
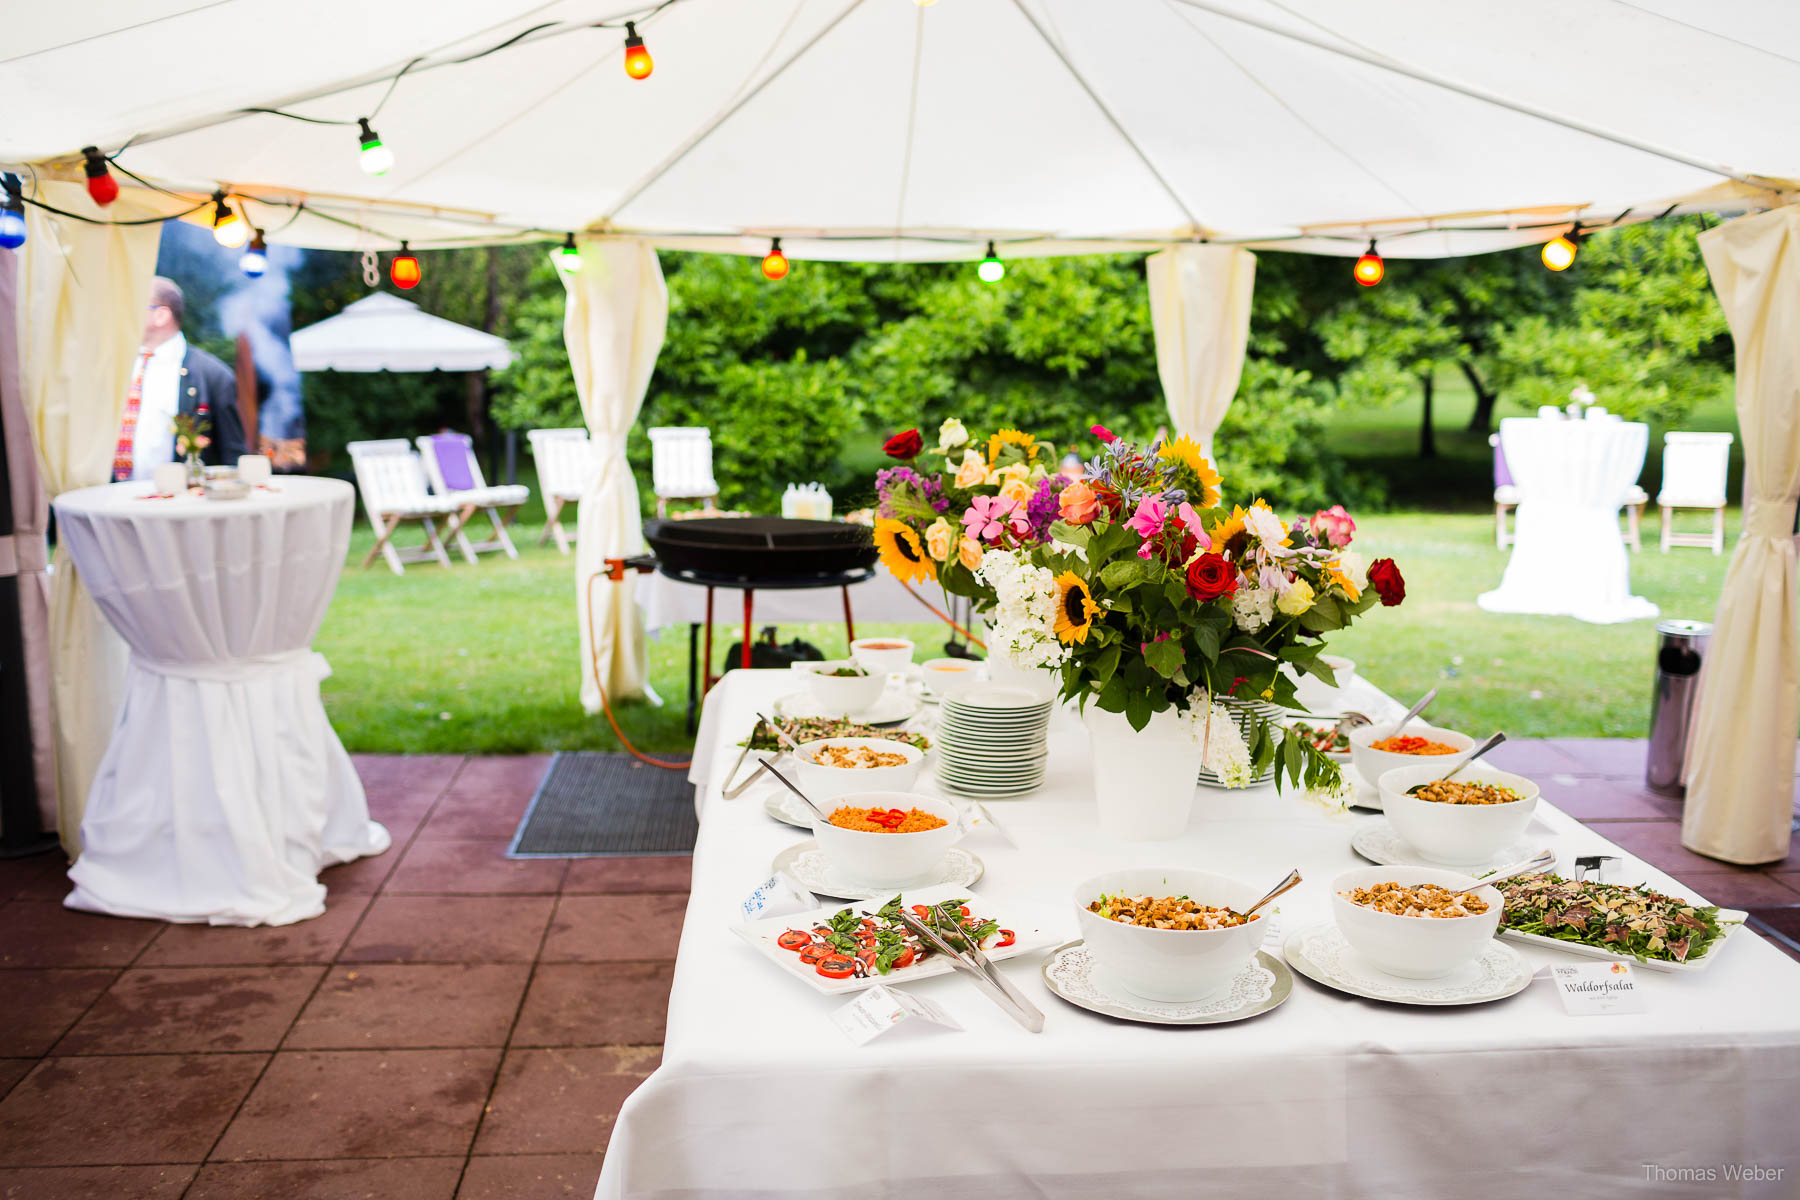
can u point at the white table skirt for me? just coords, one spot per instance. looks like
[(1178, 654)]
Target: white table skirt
[(1568, 557), (758, 1095), (668, 601), (224, 789)]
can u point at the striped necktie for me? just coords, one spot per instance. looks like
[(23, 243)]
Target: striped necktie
[(128, 427)]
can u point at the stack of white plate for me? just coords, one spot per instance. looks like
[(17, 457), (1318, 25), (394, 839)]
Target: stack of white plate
[(991, 742)]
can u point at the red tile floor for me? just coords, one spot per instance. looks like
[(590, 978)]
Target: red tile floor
[(456, 1024)]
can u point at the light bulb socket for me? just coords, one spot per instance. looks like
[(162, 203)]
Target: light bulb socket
[(367, 136), (15, 193), (257, 245), (990, 250), (632, 40), (94, 162), (221, 209)]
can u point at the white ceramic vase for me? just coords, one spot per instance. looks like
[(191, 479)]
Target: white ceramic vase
[(1143, 779)]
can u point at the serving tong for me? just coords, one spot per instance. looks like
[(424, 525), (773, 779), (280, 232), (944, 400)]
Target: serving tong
[(977, 966), (731, 791)]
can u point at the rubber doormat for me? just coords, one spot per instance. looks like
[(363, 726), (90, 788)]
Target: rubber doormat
[(591, 803)]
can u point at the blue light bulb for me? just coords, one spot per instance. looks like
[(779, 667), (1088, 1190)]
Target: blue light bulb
[(12, 228)]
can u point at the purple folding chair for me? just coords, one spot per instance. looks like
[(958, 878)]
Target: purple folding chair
[(1506, 493), (450, 465)]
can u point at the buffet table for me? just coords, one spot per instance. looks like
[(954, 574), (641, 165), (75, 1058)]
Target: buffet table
[(759, 1095), (1568, 556), (224, 789)]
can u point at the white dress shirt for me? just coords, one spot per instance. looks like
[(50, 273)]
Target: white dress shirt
[(154, 441)]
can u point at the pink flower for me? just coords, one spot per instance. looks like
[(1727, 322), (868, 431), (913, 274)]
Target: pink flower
[(1103, 433), (1190, 520), (989, 517), (1078, 504), (1332, 526), (1148, 520)]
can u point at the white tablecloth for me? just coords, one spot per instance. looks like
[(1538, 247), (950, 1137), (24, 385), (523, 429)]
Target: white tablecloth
[(224, 789), (1568, 557), (758, 1095), (668, 601)]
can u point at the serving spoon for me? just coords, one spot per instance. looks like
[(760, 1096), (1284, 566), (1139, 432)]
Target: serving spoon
[(1474, 754), (1286, 885), (1414, 711)]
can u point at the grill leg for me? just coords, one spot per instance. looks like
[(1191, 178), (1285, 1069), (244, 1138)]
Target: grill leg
[(749, 607), (693, 682), (849, 621), (706, 663)]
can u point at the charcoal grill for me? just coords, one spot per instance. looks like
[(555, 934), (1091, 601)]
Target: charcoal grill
[(754, 553)]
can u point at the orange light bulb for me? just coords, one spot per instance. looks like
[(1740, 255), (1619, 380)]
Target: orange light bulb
[(775, 264), (638, 63), (404, 270), (1369, 268)]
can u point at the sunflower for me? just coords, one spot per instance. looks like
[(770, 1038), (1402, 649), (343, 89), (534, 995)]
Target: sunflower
[(902, 553), (1186, 451), (1228, 536), (1027, 444), (1075, 608)]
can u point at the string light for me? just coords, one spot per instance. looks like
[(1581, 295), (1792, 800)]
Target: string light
[(229, 229), (924, 3), (638, 63), (991, 269), (404, 269), (12, 215), (376, 158), (567, 256), (1369, 268), (775, 264), (1559, 252), (100, 183), (255, 259)]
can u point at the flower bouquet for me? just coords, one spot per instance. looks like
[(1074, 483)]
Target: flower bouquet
[(1176, 614), (190, 430)]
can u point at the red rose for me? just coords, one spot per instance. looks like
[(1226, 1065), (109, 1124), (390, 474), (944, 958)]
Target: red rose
[(1210, 577), (904, 445), (1104, 434), (1384, 577)]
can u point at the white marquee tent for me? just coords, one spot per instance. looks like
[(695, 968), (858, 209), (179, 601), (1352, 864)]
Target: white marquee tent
[(884, 129), (382, 332)]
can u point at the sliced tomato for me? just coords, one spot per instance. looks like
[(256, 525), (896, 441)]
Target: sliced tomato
[(814, 953), (906, 958), (836, 966), (920, 909), (1006, 939), (794, 939)]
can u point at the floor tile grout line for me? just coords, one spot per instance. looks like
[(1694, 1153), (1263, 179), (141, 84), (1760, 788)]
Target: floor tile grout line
[(238, 1109), (500, 1062)]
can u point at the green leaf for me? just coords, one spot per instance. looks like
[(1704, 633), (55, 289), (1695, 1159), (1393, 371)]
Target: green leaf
[(1164, 657), (1138, 709), (1105, 664), (1074, 535), (1124, 573)]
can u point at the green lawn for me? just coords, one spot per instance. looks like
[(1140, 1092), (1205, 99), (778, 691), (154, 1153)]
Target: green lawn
[(483, 659)]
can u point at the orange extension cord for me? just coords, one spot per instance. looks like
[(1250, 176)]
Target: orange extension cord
[(941, 615)]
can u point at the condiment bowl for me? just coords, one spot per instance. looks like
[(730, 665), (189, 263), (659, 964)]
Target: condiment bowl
[(1414, 947), (883, 655), (1457, 835), (1370, 762), (886, 859), (951, 677), (824, 783), (844, 695), (1171, 965)]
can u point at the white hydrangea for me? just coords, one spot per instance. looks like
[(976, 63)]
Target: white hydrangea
[(1023, 623), (1252, 608), (1225, 753), (1334, 798)]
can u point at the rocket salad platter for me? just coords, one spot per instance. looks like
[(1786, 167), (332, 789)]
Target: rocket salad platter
[(1611, 920), (842, 949)]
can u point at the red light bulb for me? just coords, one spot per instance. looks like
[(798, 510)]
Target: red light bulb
[(100, 183), (404, 269), (1369, 268), (775, 264), (638, 63)]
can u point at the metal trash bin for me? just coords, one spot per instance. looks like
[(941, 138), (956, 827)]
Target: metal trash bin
[(1681, 650)]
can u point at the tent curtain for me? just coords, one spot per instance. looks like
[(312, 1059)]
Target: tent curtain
[(23, 557), (617, 309), (1740, 794), (81, 314), (1200, 310)]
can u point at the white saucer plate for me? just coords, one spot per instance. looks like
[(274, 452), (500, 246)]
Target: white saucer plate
[(1321, 953), (1377, 842), (1071, 972), (808, 865)]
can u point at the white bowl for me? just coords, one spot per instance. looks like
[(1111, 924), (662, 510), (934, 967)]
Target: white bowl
[(1342, 669), (1370, 763), (883, 655), (951, 677), (1414, 947), (824, 783), (887, 859), (844, 694), (1456, 834), (1169, 964)]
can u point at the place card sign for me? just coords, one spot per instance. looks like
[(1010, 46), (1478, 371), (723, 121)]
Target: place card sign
[(880, 1008), (1598, 988), (777, 896)]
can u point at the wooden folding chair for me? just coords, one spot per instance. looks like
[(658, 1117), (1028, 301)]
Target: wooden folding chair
[(450, 465), (681, 466), (564, 460), (391, 483)]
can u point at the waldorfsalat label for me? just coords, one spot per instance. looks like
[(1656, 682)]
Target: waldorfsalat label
[(1598, 989)]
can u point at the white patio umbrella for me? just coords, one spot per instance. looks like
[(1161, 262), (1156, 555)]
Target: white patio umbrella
[(382, 332)]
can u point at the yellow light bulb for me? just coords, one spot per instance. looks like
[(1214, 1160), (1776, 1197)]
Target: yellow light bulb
[(229, 229), (1559, 253)]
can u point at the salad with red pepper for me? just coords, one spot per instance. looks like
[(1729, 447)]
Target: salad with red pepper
[(858, 944)]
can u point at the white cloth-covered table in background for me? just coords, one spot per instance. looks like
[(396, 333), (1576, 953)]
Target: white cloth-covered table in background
[(1568, 556), (224, 789), (668, 601), (760, 1097)]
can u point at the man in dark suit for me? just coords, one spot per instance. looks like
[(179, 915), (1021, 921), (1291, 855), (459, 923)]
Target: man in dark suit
[(173, 377)]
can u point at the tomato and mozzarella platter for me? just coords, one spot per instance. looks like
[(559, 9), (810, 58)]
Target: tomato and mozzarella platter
[(860, 944)]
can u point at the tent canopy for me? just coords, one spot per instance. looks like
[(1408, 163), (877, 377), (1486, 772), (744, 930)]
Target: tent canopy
[(385, 333), (881, 129)]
